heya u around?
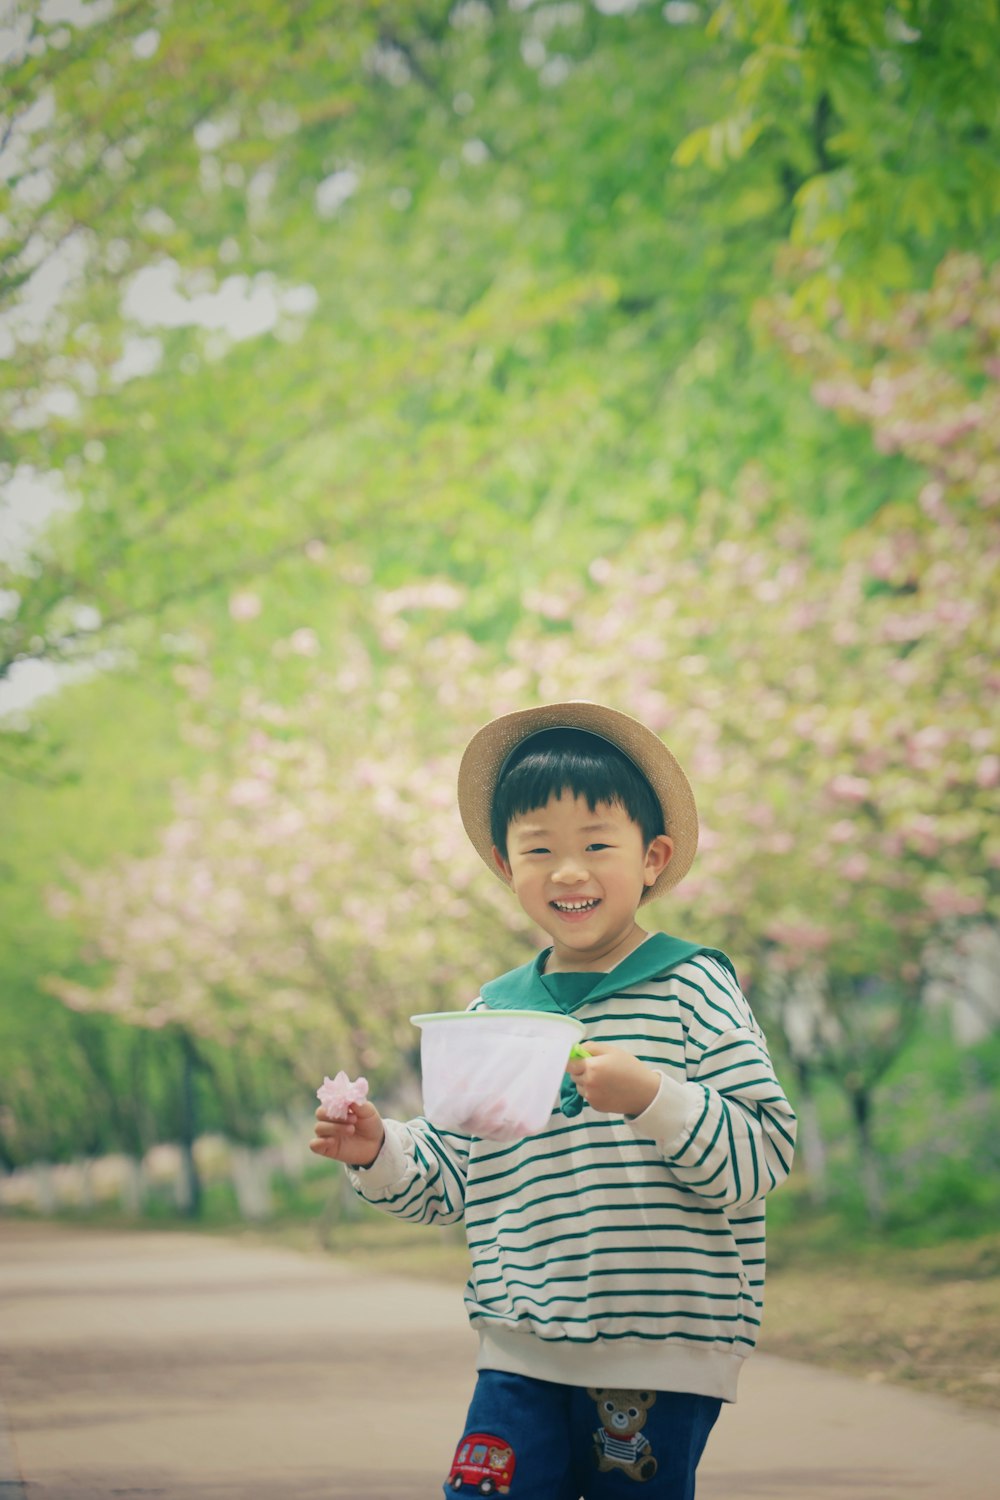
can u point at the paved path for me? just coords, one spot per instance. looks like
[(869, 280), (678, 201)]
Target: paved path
[(173, 1365)]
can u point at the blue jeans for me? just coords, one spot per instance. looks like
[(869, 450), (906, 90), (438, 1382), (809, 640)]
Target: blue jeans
[(535, 1440)]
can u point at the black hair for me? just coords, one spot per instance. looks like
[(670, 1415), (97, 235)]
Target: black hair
[(571, 760)]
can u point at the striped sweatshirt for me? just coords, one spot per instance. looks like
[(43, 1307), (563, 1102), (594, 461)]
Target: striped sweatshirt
[(609, 1250)]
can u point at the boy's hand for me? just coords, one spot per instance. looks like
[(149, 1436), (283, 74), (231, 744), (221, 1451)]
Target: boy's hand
[(356, 1140), (614, 1081)]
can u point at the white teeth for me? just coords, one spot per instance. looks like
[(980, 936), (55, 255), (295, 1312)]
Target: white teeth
[(574, 905)]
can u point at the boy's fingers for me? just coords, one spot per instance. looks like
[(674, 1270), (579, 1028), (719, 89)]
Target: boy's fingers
[(327, 1141), (334, 1127)]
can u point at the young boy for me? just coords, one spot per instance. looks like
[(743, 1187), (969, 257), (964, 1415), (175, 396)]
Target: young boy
[(618, 1255)]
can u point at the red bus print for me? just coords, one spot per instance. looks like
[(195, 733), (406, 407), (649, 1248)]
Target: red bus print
[(484, 1464)]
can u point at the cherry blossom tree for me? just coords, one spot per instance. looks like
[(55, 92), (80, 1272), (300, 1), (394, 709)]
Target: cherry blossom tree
[(838, 723)]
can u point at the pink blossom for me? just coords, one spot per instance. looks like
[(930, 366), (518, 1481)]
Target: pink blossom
[(799, 935), (988, 772), (244, 605), (945, 901), (549, 606), (922, 834), (250, 791), (337, 1095), (849, 788), (304, 642), (855, 867), (932, 502)]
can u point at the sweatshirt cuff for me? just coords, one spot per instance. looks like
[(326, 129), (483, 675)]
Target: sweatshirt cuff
[(671, 1117), (386, 1170)]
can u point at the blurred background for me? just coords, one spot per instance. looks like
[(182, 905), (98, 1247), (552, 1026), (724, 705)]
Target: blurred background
[(369, 370)]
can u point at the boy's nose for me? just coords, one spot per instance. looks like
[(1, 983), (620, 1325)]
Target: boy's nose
[(569, 872)]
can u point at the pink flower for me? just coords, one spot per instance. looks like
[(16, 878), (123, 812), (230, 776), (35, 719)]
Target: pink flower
[(988, 772), (848, 788), (304, 642), (945, 901), (244, 606), (337, 1095), (855, 867)]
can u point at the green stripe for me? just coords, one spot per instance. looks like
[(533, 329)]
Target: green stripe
[(701, 1119), (611, 1016), (713, 1005), (646, 1317), (676, 1290), (703, 1183), (686, 1005), (746, 1063), (732, 1046), (752, 1126), (638, 1205), (732, 1151), (451, 1135), (415, 1182), (708, 1149), (621, 1250), (575, 1127), (630, 1038), (634, 1142), (434, 1140), (726, 984), (677, 1312), (743, 1090), (581, 1176), (616, 1229), (777, 1123), (434, 1170), (420, 1212)]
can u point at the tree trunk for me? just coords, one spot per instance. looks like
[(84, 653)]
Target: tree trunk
[(192, 1197), (812, 1148), (869, 1164)]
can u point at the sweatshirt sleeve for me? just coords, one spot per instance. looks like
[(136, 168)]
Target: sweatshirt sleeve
[(728, 1132), (418, 1175)]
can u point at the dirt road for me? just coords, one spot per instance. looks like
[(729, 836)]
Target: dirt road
[(172, 1365)]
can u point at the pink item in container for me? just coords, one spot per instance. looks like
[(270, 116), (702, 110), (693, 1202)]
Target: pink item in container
[(494, 1074), (336, 1095)]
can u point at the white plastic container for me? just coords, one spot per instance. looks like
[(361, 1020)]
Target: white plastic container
[(494, 1074)]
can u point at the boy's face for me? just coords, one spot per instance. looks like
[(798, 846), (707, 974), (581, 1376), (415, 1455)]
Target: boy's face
[(580, 874)]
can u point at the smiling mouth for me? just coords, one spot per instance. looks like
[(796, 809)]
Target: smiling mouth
[(575, 907)]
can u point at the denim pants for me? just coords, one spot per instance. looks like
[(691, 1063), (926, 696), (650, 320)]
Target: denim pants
[(535, 1440)]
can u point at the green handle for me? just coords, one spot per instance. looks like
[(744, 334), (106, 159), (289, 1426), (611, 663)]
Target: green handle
[(577, 1051)]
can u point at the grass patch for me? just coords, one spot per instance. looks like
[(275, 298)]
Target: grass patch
[(925, 1317)]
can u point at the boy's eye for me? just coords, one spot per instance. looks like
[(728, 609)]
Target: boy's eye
[(598, 846), (536, 851)]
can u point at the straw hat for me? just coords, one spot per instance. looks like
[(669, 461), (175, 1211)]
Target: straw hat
[(490, 748)]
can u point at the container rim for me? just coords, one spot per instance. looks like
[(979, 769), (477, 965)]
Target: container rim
[(480, 1015)]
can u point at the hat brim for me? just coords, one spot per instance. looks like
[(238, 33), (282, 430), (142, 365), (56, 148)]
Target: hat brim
[(489, 748)]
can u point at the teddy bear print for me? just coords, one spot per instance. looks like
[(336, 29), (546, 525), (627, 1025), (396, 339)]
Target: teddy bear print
[(619, 1442)]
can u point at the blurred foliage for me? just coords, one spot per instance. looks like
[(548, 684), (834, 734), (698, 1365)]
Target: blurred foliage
[(299, 307), (492, 280)]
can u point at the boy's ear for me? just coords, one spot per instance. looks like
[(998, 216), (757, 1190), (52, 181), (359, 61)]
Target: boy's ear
[(658, 856), (503, 865)]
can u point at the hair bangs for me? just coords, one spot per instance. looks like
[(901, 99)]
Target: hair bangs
[(555, 761)]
